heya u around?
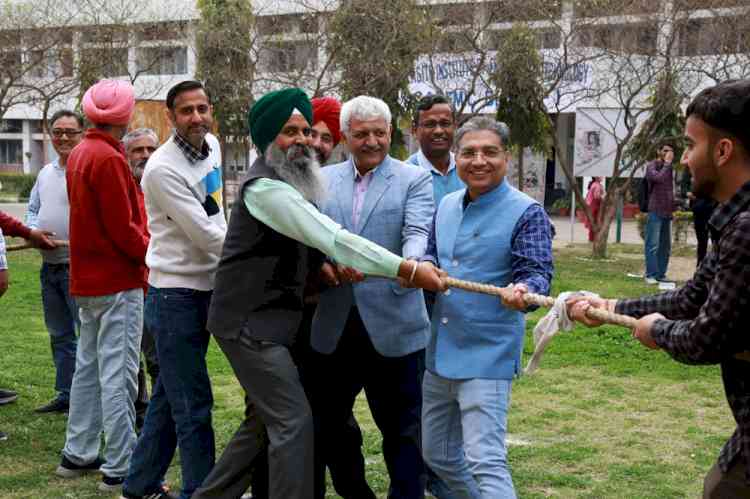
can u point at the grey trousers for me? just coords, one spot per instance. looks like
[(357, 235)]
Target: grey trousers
[(276, 406), (729, 485)]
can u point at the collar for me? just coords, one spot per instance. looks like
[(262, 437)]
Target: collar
[(727, 211), (191, 153), (427, 164), (488, 196), (358, 176), (95, 134), (56, 165)]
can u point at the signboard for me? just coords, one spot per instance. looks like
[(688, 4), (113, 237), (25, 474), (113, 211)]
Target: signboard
[(459, 77)]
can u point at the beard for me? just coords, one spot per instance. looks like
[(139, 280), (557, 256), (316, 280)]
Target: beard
[(298, 167), (138, 169)]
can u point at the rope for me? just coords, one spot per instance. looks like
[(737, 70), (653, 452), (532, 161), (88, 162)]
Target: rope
[(540, 300), (547, 302), (27, 245)]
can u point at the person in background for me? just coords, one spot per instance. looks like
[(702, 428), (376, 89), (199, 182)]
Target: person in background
[(108, 242), (49, 209), (658, 244), (139, 145), (594, 198)]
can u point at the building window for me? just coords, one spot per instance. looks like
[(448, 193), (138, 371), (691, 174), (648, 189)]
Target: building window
[(505, 11), (454, 14), (51, 63), (287, 23), (603, 8), (161, 31), (638, 38), (713, 36), (11, 152), (107, 61), (162, 60), (11, 126), (288, 56)]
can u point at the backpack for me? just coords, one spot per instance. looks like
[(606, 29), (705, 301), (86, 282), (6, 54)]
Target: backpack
[(643, 193)]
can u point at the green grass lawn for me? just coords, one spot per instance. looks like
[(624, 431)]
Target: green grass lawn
[(602, 417)]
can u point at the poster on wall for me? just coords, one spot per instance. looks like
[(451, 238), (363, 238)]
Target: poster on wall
[(534, 169), (596, 134)]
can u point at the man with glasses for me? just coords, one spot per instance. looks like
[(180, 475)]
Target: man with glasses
[(434, 126), (49, 210), (488, 232)]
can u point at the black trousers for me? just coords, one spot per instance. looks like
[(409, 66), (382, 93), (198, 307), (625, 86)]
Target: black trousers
[(277, 418), (394, 395), (346, 460)]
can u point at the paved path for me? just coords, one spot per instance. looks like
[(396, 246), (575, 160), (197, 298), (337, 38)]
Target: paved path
[(580, 233)]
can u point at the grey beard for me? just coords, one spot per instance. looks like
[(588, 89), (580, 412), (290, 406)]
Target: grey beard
[(137, 170), (299, 168)]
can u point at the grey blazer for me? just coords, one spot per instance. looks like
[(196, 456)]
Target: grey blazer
[(396, 214)]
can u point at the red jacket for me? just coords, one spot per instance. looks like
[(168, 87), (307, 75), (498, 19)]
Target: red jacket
[(108, 238), (12, 227)]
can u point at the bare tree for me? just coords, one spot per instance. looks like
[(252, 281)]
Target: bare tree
[(224, 43)]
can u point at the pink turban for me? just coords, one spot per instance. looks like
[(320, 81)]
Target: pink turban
[(109, 102), (327, 110)]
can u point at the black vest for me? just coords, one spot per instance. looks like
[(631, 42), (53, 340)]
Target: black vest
[(261, 276)]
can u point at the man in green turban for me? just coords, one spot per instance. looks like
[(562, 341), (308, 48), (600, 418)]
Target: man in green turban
[(276, 238)]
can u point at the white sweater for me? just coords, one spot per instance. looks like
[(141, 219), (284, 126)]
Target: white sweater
[(185, 217)]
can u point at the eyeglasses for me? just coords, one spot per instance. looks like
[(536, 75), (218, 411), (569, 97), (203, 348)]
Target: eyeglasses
[(486, 153), (431, 125), (69, 132)]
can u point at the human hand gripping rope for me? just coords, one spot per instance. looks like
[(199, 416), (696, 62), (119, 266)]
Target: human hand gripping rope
[(544, 330)]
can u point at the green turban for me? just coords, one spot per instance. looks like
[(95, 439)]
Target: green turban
[(269, 114)]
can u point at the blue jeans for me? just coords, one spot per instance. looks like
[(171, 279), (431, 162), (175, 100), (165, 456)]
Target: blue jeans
[(179, 412), (463, 435), (658, 245), (105, 385), (61, 318)]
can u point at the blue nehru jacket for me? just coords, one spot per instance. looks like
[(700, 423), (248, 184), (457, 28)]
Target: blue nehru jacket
[(474, 335)]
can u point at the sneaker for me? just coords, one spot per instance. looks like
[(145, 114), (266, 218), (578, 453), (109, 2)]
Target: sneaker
[(163, 494), (651, 280), (69, 469), (56, 405), (3, 436), (7, 396), (111, 483)]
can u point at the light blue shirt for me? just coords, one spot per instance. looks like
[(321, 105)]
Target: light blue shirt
[(283, 208), (442, 184), (49, 209)]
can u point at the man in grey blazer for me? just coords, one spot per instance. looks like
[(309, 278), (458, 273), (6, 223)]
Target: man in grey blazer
[(371, 333)]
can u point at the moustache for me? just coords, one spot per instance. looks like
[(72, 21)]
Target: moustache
[(296, 151)]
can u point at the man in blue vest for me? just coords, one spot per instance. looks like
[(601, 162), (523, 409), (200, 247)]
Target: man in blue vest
[(492, 233)]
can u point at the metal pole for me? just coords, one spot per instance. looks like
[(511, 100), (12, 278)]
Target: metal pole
[(618, 214), (572, 209)]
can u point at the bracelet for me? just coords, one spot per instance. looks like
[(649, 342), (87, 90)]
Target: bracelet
[(413, 272)]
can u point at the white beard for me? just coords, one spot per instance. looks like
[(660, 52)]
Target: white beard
[(299, 168)]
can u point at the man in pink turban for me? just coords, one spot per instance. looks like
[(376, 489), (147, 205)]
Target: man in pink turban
[(108, 242), (326, 129)]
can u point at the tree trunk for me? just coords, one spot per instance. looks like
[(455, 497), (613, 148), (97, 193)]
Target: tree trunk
[(520, 168), (602, 223)]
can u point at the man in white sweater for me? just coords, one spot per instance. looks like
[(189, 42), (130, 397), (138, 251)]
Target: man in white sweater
[(182, 189), (48, 209)]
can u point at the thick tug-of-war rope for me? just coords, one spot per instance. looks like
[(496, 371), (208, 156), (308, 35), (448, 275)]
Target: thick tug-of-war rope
[(547, 302), (23, 246), (539, 300)]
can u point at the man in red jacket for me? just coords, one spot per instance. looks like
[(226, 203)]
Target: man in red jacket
[(108, 244)]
